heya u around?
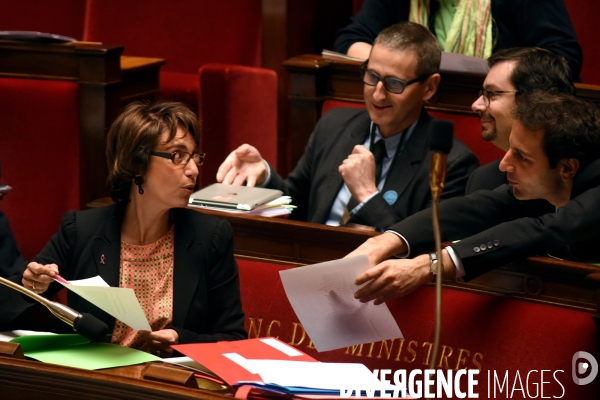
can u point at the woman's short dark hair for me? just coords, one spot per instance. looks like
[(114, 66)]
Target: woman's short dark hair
[(571, 125), (135, 133), (416, 38)]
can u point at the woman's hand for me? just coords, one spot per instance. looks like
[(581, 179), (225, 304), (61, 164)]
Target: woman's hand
[(38, 277), (159, 342)]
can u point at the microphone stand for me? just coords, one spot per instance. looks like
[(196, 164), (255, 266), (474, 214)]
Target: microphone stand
[(86, 324), (440, 144), (61, 311), (438, 173)]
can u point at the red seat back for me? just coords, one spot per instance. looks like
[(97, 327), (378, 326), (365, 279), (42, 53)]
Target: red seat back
[(39, 151), (237, 105), (187, 33), (584, 15), (479, 331)]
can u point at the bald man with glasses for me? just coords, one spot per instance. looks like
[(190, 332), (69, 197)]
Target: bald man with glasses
[(368, 166)]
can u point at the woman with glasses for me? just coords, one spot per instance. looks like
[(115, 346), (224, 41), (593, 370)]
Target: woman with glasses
[(178, 261)]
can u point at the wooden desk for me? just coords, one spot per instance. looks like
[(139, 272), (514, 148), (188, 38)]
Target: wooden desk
[(315, 79), (106, 81), (539, 279), (32, 380)]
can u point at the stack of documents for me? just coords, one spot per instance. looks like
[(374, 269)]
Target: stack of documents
[(273, 365), (77, 351), (242, 200)]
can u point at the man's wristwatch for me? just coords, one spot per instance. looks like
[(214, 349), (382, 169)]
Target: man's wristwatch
[(434, 263)]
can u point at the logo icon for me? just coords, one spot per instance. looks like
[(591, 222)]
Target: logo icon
[(583, 367)]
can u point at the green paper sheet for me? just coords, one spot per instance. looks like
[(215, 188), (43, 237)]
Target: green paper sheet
[(77, 351)]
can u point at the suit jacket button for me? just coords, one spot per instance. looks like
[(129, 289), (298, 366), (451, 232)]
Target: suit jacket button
[(489, 245), (496, 242), (483, 247), (476, 249)]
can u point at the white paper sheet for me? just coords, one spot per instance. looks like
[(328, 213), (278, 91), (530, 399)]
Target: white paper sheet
[(121, 303), (322, 295), (93, 281), (334, 376), (282, 347)]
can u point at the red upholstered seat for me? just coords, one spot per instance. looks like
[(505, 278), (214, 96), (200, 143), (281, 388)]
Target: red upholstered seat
[(39, 152), (187, 34), (62, 17), (484, 332), (584, 15), (237, 105)]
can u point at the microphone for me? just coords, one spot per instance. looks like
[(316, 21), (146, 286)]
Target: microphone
[(85, 324), (440, 143)]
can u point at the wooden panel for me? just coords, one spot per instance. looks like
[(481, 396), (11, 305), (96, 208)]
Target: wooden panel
[(32, 380)]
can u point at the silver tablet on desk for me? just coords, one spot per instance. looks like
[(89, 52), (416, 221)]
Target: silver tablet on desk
[(233, 197)]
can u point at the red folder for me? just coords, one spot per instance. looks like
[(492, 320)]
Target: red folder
[(211, 356)]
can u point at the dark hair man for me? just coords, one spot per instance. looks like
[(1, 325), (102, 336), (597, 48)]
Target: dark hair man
[(338, 179), (513, 73), (554, 150), (11, 260)]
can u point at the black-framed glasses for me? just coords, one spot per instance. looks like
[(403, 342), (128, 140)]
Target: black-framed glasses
[(391, 84), (181, 157), (488, 94)]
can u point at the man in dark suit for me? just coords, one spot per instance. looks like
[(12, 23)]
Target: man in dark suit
[(554, 155), (368, 167), (11, 260), (513, 73)]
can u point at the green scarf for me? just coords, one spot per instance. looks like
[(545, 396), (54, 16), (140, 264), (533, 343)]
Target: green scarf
[(471, 30)]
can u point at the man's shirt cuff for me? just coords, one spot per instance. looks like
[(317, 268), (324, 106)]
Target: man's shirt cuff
[(358, 207), (268, 180), (407, 253), (460, 269)]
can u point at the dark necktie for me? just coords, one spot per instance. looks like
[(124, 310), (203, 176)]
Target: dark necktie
[(379, 153)]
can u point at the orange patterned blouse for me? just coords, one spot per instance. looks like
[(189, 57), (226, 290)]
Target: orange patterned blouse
[(148, 270)]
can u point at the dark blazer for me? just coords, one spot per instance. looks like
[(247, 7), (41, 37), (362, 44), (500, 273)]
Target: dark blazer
[(486, 177), (206, 289), (517, 23), (494, 228), (11, 260), (315, 182)]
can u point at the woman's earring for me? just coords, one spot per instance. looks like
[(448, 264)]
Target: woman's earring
[(139, 180)]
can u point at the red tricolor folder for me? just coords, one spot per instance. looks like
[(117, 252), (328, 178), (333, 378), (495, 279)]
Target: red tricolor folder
[(221, 357)]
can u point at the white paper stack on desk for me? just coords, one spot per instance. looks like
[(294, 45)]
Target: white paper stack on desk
[(242, 200), (273, 365)]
